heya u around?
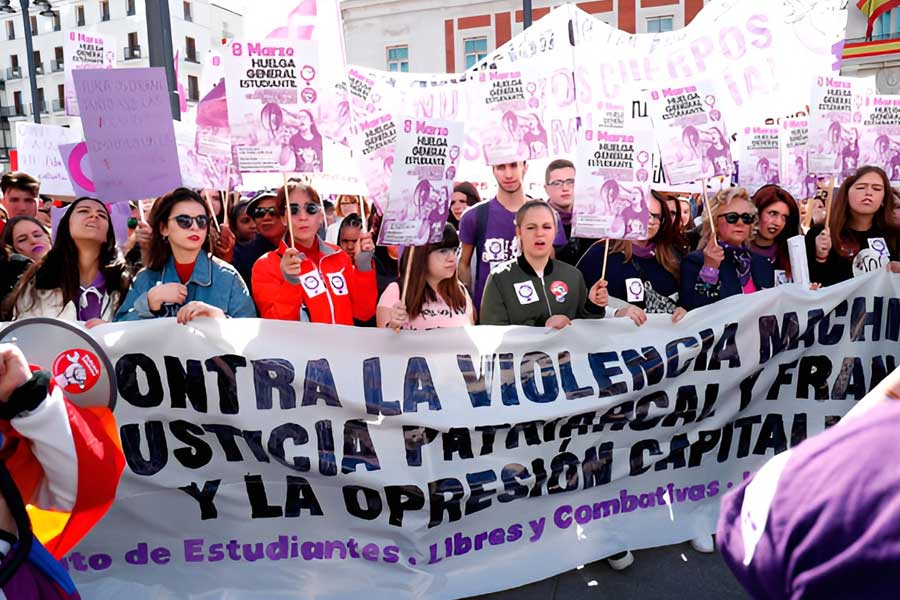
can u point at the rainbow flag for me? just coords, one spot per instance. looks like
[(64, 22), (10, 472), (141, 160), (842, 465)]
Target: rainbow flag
[(874, 9)]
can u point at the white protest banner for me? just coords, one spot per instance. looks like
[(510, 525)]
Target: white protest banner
[(793, 143), (759, 160), (38, 147), (426, 160), (612, 184), (85, 50), (197, 170), (456, 462), (835, 122), (272, 93), (506, 116), (880, 143), (693, 140), (127, 124)]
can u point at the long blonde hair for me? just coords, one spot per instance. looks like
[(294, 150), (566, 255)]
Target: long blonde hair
[(722, 199)]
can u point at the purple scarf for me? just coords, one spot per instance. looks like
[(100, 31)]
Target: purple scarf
[(644, 251), (740, 256), (89, 304)]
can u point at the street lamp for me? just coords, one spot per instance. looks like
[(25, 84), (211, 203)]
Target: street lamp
[(29, 46)]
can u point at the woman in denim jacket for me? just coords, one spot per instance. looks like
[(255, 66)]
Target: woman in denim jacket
[(183, 279)]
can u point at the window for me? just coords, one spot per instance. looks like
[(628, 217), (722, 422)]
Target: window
[(129, 7), (10, 30), (193, 88), (79, 15), (57, 21), (476, 50), (226, 31), (61, 93), (187, 11), (57, 64), (104, 10), (398, 59), (14, 61), (190, 50), (42, 106), (38, 65), (133, 50), (34, 27), (659, 24), (17, 103), (883, 28)]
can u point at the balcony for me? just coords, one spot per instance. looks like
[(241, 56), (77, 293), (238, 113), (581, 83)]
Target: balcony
[(14, 73), (58, 105), (57, 66), (43, 106), (39, 68), (191, 57), (12, 111), (132, 52), (131, 11)]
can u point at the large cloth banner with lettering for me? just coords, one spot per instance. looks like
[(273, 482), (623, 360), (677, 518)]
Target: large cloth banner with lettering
[(284, 460)]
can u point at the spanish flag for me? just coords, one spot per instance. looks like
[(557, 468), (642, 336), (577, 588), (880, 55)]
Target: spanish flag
[(874, 9)]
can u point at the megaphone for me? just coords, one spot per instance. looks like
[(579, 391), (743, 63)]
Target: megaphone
[(77, 363)]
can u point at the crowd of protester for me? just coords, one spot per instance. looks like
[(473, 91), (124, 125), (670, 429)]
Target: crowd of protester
[(509, 260)]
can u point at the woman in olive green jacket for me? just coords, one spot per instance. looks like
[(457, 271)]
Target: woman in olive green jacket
[(536, 289)]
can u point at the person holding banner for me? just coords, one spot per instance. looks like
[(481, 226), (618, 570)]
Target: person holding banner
[(434, 297), (535, 289), (269, 218), (643, 273), (27, 237), (725, 267), (488, 231), (82, 278), (779, 219), (857, 236), (313, 280), (183, 279)]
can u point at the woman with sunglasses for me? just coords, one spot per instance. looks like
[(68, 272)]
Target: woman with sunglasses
[(182, 278), (860, 228), (535, 289), (314, 280), (82, 278), (643, 273), (725, 267), (435, 298)]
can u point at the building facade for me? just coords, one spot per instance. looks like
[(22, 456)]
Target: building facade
[(197, 26), (878, 55), (433, 36)]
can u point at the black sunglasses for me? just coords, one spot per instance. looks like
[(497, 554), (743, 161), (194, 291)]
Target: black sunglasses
[(185, 222), (260, 212), (732, 217), (311, 209)]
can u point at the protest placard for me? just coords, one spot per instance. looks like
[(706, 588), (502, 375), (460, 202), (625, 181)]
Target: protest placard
[(460, 461), (880, 144), (612, 184), (426, 160), (691, 133), (835, 124), (759, 157), (78, 168), (506, 116), (127, 123), (197, 170), (272, 92), (85, 50), (38, 147), (793, 143)]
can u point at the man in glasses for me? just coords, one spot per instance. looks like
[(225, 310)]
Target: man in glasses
[(559, 183), (270, 228)]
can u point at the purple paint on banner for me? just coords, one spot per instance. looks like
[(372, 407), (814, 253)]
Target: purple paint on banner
[(128, 128)]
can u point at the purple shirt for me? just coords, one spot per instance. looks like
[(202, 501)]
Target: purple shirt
[(499, 243), (821, 520), (89, 304)]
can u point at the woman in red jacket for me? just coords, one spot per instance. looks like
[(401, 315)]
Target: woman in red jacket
[(314, 281)]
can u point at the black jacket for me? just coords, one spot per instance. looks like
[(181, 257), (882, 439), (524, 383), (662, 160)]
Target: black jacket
[(761, 271)]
